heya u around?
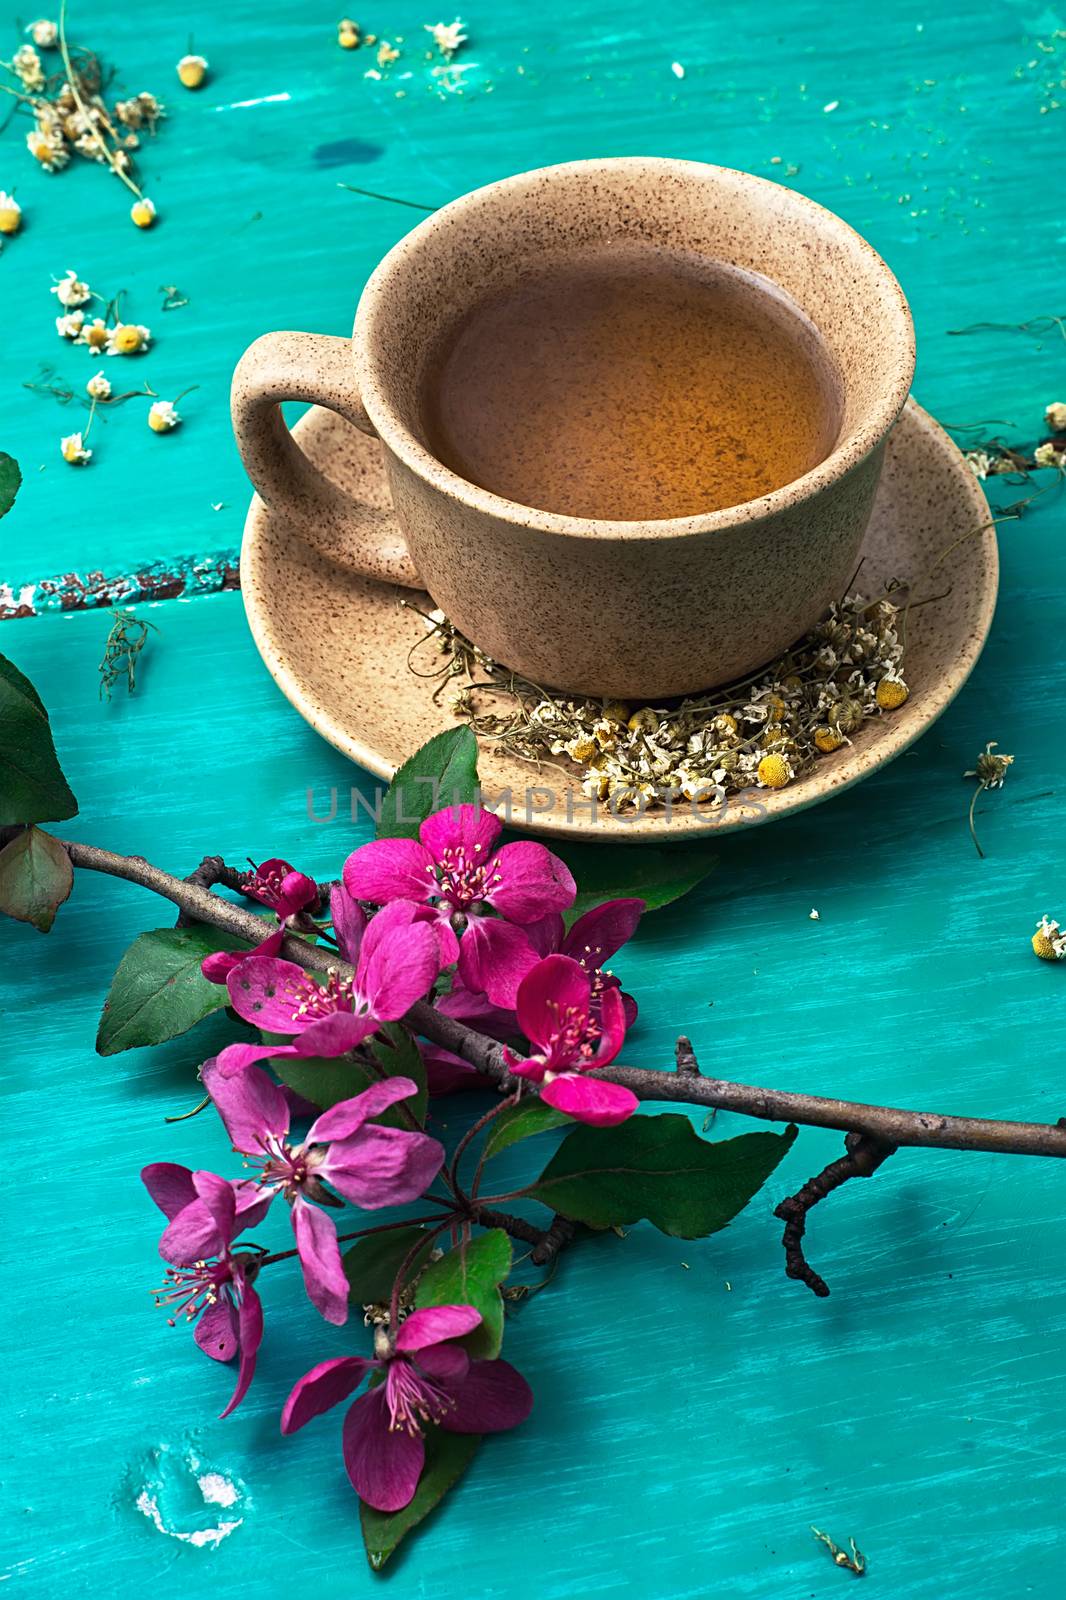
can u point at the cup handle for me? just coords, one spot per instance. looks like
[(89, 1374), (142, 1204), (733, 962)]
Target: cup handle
[(318, 368)]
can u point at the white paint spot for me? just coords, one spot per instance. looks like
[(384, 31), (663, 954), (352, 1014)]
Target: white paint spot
[(148, 1506), (217, 1490), (677, 69), (184, 1499), (261, 100), (831, 105)]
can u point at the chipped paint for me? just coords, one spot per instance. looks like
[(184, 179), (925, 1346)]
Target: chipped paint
[(159, 580), (183, 1499)]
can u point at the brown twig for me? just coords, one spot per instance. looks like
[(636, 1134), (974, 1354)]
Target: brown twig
[(558, 1236), (886, 1124), (863, 1157), (685, 1057)]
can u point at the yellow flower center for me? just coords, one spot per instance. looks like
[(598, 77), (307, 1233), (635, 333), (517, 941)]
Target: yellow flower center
[(774, 772), (891, 695), (127, 338)]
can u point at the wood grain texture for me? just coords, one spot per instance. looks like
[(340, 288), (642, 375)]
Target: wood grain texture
[(690, 1424)]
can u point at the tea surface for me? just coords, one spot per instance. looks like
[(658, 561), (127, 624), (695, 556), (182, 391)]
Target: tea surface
[(632, 383)]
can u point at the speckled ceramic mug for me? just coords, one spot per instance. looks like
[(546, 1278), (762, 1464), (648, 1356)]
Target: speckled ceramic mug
[(629, 610)]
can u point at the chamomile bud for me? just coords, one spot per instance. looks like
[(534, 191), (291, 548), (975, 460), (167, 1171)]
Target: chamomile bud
[(162, 417), (44, 34), (1049, 941), (192, 70), (98, 387), (616, 711), (1048, 455), (348, 34), (10, 213), (643, 721), (775, 772), (828, 739), (891, 692), (1055, 416), (73, 450), (143, 212)]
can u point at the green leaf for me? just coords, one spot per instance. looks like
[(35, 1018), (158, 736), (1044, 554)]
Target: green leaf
[(470, 1275), (442, 773), (159, 991), (656, 874), (658, 1168), (35, 878), (326, 1082), (528, 1117), (32, 785), (447, 1457), (372, 1263), (10, 478)]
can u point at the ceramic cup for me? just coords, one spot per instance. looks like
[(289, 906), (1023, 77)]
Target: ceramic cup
[(629, 610)]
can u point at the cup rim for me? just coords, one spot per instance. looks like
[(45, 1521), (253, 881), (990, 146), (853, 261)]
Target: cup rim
[(847, 454)]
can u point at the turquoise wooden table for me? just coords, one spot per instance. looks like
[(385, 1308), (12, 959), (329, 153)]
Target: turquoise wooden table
[(695, 1411)]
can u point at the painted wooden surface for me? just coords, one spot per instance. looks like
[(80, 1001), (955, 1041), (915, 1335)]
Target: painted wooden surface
[(695, 1412)]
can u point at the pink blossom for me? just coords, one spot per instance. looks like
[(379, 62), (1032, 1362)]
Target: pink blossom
[(571, 1036), (369, 1165), (455, 867), (206, 1283), (593, 939), (397, 958), (287, 892), (428, 1378)]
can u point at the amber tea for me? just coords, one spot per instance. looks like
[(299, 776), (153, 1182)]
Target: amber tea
[(632, 383)]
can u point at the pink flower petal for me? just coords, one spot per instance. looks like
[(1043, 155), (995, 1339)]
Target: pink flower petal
[(324, 1387), (218, 1196), (531, 882), (250, 1104), (435, 1324), (266, 991), (191, 1236), (398, 963), (253, 1203), (320, 1261), (348, 1116), (546, 935), (596, 936), (445, 1363), (349, 922), (589, 1099), (493, 1396), (389, 869), (250, 1332), (612, 1020), (471, 829), (461, 1003), (494, 957), (555, 984), (235, 1057), (382, 1166), (215, 1331), (297, 892), (217, 967), (331, 1036), (170, 1186), (447, 1073), (384, 1464)]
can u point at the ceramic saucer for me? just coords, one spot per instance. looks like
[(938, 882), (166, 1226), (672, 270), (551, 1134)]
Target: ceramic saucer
[(337, 645)]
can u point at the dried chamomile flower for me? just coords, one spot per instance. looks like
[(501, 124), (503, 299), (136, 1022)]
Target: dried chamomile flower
[(26, 63), (144, 110), (98, 387), (127, 339), (94, 335), (1049, 455), (1049, 941), (44, 34), (10, 213), (74, 451), (162, 416), (192, 70), (990, 770), (70, 291), (891, 692), (979, 462), (143, 212), (775, 771), (447, 36), (47, 146), (387, 54), (348, 34), (1055, 416), (70, 325), (828, 739)]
